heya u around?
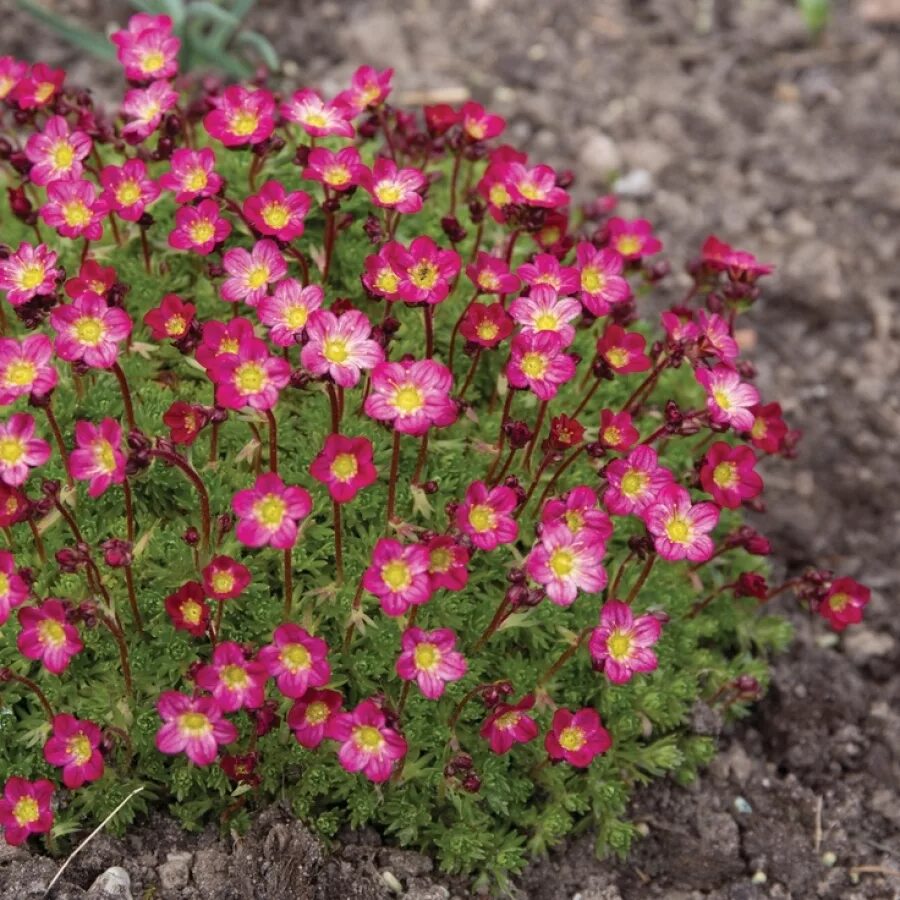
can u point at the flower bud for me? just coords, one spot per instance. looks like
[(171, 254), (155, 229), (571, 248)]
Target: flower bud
[(517, 432), (191, 536), (117, 553)]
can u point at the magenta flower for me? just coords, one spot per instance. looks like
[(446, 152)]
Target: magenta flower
[(538, 361), (92, 278), (319, 119), (448, 563), (728, 399), (147, 49), (728, 474), (621, 644), (430, 659), (681, 530), (414, 395), (39, 86), (25, 808), (544, 310), (127, 189), (12, 71), (286, 311), (311, 716), (344, 466), (276, 212), (769, 428), (398, 576), (74, 746), (171, 319), (199, 228), (509, 724), (535, 187), (383, 272), (25, 368), (339, 171), (28, 272), (20, 450), (680, 326), (249, 377), (479, 125), (268, 512), (221, 340), (486, 325), (340, 347), (740, 265), (394, 188), (89, 331), (367, 744), (486, 515), (191, 174), (844, 603), (56, 152), (13, 589), (623, 351), (74, 209), (602, 284), (490, 274), (225, 578), (368, 88), (565, 563), (715, 337), (47, 636), (234, 681), (577, 737), (635, 482), (144, 108), (296, 660), (252, 272), (242, 116), (426, 271), (546, 269), (578, 511), (632, 239), (193, 726), (617, 431), (188, 610), (98, 457)]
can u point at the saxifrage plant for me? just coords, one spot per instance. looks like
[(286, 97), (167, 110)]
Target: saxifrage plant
[(337, 467)]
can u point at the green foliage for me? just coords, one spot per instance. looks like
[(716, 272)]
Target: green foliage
[(816, 14)]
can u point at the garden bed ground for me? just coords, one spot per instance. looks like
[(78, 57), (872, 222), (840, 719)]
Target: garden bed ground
[(725, 117)]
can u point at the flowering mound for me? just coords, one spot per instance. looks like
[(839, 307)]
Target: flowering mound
[(337, 467)]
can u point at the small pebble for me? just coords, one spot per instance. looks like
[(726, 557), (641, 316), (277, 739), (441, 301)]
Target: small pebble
[(742, 806), (392, 882), (829, 858), (759, 877)]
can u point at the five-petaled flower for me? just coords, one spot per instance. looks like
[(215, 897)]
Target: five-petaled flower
[(728, 399), (577, 737), (13, 590), (74, 747), (622, 643), (368, 745), (296, 660), (565, 563), (20, 450), (398, 575), (241, 116), (56, 152), (728, 474), (344, 466), (25, 808), (252, 272), (46, 635), (508, 724), (486, 515), (430, 658), (277, 212), (191, 174), (98, 457), (89, 331), (28, 272), (310, 717), (224, 578), (25, 368), (413, 395), (234, 681), (538, 361), (188, 610), (844, 602), (193, 726), (394, 188), (340, 346), (199, 228), (268, 512), (679, 528)]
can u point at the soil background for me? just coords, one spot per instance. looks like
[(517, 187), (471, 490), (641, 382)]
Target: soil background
[(717, 116)]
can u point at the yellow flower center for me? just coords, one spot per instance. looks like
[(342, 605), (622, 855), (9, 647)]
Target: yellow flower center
[(725, 474), (89, 330), (191, 612), (424, 274), (396, 575), (63, 155), (530, 191), (244, 122), (21, 372), (508, 720), (487, 331), (317, 712), (336, 175), (388, 192), (387, 280), (427, 656), (229, 345), (612, 435), (488, 281), (408, 399), (128, 193), (79, 748), (175, 325), (76, 213), (592, 280), (759, 429), (295, 316), (440, 560), (295, 657), (32, 275), (234, 677), (276, 215), (250, 377), (26, 811), (104, 455), (619, 645), (51, 632), (270, 510), (617, 357), (344, 466), (574, 520), (546, 321), (678, 529), (533, 364), (572, 738), (258, 277), (222, 582), (4, 584), (152, 61), (499, 195), (194, 724), (367, 737), (838, 601), (202, 231), (476, 130), (316, 119), (12, 449), (722, 398), (482, 517), (44, 91), (196, 179), (634, 483), (335, 350), (628, 244), (562, 562)]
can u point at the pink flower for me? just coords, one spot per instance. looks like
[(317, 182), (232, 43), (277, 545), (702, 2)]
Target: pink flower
[(367, 744), (199, 228), (440, 118), (223, 340), (715, 337), (729, 400), (92, 278), (448, 563), (491, 275), (74, 746), (311, 716), (25, 368), (426, 271), (191, 174), (578, 512), (234, 681), (144, 108), (344, 466), (89, 331), (98, 457), (318, 119), (171, 319), (242, 116), (398, 576), (430, 659), (546, 269), (340, 347), (479, 125), (28, 272), (635, 482), (382, 275), (47, 636), (127, 189), (621, 644), (225, 578), (486, 325), (543, 310), (276, 212), (12, 71), (844, 603), (394, 188), (680, 326), (268, 512), (287, 310), (602, 284), (339, 171), (577, 737), (486, 515), (56, 152), (632, 239), (252, 272), (194, 726), (538, 362), (681, 530), (25, 808), (413, 395), (739, 265), (769, 429), (535, 187), (147, 49), (20, 450), (617, 431), (508, 724), (250, 377), (74, 209), (13, 589), (623, 351), (188, 609), (296, 660), (368, 88), (565, 563), (38, 87), (728, 474)]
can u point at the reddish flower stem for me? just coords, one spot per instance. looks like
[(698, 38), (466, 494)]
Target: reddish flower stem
[(645, 573), (9, 675), (329, 244), (536, 433), (335, 408), (60, 442), (126, 395), (642, 391), (338, 542), (173, 459), (214, 442), (586, 398), (470, 374), (392, 479), (145, 247), (454, 179), (354, 607), (556, 475), (534, 483), (420, 459), (132, 599), (456, 326), (288, 582), (129, 510), (501, 437), (700, 605), (614, 584), (382, 119), (38, 541), (119, 638), (493, 625), (273, 441), (428, 314), (564, 657)]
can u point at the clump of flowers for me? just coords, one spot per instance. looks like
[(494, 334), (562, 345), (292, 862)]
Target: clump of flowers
[(337, 461)]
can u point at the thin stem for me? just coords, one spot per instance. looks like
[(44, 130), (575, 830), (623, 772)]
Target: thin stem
[(420, 459), (60, 443), (470, 374), (392, 479), (288, 581), (454, 178), (534, 483), (214, 442), (382, 119), (506, 465), (556, 475), (126, 395), (564, 657), (538, 425), (457, 710), (335, 408), (700, 605), (38, 541), (132, 599), (129, 510), (119, 638), (404, 695), (428, 312), (329, 243), (645, 572), (641, 391), (273, 441), (501, 437), (145, 246), (28, 683), (614, 584), (586, 398), (173, 459), (338, 542), (455, 332), (493, 625), (354, 608)]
